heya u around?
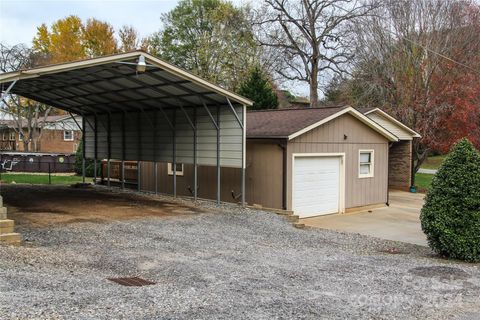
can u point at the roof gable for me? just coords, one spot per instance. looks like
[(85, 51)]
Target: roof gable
[(391, 124), (291, 123)]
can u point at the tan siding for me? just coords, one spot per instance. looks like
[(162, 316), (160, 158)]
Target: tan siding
[(263, 177), (329, 138), (398, 131)]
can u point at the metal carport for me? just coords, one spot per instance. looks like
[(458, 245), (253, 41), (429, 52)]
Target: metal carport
[(136, 107)]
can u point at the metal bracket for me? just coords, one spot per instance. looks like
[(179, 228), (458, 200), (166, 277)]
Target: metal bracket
[(210, 115), (4, 94), (235, 113)]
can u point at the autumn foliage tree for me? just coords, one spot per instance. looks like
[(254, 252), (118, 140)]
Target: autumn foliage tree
[(419, 61), (70, 39)]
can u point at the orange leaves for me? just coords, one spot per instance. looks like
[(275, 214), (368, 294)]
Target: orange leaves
[(69, 39)]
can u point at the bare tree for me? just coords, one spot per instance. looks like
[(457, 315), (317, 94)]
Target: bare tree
[(312, 36), (129, 38), (28, 115), (402, 52)]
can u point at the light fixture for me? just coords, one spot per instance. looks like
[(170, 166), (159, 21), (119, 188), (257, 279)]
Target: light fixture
[(141, 65)]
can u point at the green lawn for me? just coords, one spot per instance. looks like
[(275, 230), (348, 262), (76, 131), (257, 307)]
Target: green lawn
[(423, 181), (41, 178), (433, 162)]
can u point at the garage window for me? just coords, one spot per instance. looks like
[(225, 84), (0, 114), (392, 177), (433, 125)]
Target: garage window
[(179, 168), (365, 164)]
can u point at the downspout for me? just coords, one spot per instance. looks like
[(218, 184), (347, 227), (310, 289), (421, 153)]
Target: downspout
[(390, 144), (412, 168), (283, 146)]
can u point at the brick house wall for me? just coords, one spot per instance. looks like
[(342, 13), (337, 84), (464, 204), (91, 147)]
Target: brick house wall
[(52, 141), (400, 165)]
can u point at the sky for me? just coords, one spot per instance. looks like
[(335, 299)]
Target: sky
[(19, 19)]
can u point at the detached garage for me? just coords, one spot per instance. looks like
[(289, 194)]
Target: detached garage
[(320, 160)]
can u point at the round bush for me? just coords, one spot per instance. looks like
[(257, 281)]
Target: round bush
[(451, 215)]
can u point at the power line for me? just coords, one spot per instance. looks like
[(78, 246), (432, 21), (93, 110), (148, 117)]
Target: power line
[(420, 45)]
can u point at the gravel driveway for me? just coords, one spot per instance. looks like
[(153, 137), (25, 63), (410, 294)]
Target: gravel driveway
[(230, 263)]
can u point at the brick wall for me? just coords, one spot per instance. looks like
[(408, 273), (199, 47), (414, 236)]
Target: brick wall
[(400, 164), (52, 141)]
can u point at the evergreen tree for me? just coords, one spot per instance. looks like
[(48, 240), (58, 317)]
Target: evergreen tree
[(258, 89), (451, 214), (89, 163)]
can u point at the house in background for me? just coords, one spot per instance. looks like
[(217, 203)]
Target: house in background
[(60, 135)]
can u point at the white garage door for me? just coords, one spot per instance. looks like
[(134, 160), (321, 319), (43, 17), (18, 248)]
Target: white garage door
[(316, 186)]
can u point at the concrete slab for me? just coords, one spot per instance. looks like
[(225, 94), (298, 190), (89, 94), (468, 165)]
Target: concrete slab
[(399, 222)]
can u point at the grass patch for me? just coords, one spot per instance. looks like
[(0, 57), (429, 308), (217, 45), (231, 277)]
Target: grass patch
[(423, 181), (41, 178), (433, 162)]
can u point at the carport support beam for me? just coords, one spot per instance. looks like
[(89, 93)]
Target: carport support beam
[(217, 127), (244, 131), (139, 126), (193, 125), (83, 149), (109, 147), (218, 158), (123, 150), (174, 153), (195, 164), (95, 158), (242, 125)]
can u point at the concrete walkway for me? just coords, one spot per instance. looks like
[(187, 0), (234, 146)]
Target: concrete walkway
[(427, 171), (400, 221)]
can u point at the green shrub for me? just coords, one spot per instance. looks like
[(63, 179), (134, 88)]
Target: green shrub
[(451, 215), (89, 163)]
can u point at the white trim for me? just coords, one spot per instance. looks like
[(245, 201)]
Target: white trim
[(36, 72), (177, 172), (372, 163), (72, 132), (341, 155), (395, 121), (372, 124)]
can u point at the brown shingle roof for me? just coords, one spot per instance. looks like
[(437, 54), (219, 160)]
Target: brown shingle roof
[(281, 123), (364, 110)]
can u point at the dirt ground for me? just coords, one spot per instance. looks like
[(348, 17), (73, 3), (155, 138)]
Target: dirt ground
[(44, 206)]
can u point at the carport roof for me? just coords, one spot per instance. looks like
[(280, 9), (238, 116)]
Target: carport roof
[(112, 83)]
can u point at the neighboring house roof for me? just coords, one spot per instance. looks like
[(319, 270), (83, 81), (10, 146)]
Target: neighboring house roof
[(290, 123), (390, 123)]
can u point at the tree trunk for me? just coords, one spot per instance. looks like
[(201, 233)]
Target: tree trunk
[(314, 88)]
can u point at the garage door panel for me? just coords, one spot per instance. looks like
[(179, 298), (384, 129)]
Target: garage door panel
[(316, 185)]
